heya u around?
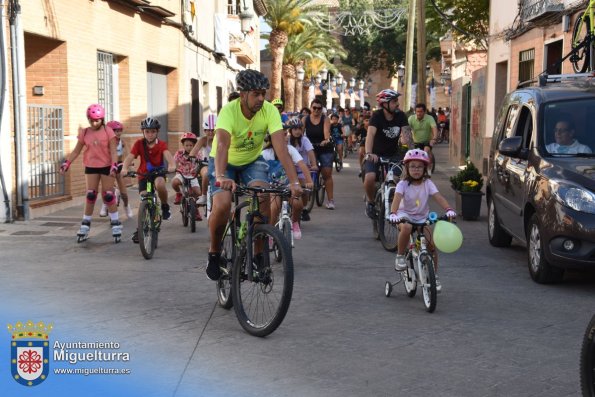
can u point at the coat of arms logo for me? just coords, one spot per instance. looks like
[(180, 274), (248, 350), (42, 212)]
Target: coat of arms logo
[(29, 347)]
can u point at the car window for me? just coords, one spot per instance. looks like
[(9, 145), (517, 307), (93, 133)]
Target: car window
[(510, 120), (569, 127), (524, 127)]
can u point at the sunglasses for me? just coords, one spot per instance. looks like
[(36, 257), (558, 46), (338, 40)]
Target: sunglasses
[(316, 107)]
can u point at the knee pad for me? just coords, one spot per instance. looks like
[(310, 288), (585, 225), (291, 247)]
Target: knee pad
[(91, 196), (109, 198)]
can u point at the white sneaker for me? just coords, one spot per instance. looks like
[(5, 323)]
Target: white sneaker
[(129, 212), (438, 285), (202, 200), (400, 263), (103, 210)]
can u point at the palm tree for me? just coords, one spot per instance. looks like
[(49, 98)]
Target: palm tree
[(285, 17), (301, 49)]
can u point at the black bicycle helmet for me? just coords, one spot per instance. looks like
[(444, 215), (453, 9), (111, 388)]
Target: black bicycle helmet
[(249, 80), (150, 123)]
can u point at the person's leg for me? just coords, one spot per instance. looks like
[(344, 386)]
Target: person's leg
[(92, 184), (110, 199), (176, 184), (161, 189)]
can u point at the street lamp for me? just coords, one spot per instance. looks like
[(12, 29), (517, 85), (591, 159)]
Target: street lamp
[(318, 79), (245, 20), (360, 84), (300, 73), (339, 79)]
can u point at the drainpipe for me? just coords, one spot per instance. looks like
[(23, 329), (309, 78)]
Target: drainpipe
[(20, 105), (3, 93)]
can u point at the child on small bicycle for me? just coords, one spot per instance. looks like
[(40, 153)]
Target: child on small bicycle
[(277, 176), (201, 151), (186, 168), (337, 133), (153, 153), (410, 202), (306, 150)]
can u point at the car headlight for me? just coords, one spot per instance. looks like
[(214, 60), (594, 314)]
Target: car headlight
[(574, 196)]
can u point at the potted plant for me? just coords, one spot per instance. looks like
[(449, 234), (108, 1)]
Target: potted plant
[(467, 184)]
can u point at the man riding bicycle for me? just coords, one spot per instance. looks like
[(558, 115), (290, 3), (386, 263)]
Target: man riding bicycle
[(382, 140), (236, 154), (424, 130)]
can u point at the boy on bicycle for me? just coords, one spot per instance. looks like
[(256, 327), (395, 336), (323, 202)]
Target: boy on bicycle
[(236, 154), (152, 153)]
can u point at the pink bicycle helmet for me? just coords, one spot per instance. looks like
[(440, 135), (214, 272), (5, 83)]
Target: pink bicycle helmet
[(115, 125), (95, 112), (188, 135), (416, 154)]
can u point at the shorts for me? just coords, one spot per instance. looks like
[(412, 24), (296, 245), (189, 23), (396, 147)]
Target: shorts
[(325, 159), (100, 171), (142, 184), (193, 181), (338, 140), (257, 171), (422, 145), (371, 167)]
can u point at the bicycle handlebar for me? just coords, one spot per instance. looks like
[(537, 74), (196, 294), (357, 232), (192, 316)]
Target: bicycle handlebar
[(432, 218), (154, 173)]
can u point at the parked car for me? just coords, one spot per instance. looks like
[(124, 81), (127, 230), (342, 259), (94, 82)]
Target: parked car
[(541, 180)]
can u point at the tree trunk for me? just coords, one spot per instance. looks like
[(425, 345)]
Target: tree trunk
[(289, 86), (277, 42), (299, 89)]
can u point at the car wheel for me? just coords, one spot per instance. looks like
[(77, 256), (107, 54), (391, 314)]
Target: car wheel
[(539, 269), (497, 235)]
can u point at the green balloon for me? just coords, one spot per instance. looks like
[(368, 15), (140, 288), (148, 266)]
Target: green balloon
[(447, 237)]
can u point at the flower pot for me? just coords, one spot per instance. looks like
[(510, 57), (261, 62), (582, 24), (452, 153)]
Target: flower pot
[(468, 204)]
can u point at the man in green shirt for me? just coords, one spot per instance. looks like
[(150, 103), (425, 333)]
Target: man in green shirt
[(423, 129), (236, 154)]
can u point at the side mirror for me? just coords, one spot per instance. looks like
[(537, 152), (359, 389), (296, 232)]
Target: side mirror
[(511, 147)]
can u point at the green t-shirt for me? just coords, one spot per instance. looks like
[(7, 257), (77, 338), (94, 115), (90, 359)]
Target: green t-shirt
[(247, 136), (421, 129)]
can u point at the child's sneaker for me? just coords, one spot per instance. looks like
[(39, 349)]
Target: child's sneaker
[(213, 269), (165, 211), (330, 205), (400, 263), (198, 215), (178, 198), (103, 210), (297, 232), (202, 200)]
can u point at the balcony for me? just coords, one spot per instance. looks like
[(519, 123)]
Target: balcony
[(532, 10), (241, 48)]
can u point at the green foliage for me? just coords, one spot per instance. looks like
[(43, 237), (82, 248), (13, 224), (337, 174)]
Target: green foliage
[(471, 16), (469, 179)]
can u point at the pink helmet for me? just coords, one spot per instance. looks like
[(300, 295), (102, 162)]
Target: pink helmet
[(95, 112), (188, 135), (416, 154), (115, 125)]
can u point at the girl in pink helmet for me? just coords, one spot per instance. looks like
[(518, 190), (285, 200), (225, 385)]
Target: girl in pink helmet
[(121, 150), (201, 151), (100, 160), (186, 168), (411, 202)]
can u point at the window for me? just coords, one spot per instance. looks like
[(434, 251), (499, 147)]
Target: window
[(526, 64), (234, 7), (105, 83)]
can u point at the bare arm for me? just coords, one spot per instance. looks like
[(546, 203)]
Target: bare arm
[(202, 141), (370, 143), (312, 160), (128, 161), (221, 156), (396, 202), (171, 163), (306, 173)]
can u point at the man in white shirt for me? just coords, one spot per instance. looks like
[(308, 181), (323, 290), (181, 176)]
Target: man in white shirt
[(565, 142)]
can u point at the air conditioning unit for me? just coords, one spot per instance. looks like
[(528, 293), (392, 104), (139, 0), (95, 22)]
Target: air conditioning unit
[(532, 10)]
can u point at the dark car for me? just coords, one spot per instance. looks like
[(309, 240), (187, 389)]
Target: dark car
[(541, 179)]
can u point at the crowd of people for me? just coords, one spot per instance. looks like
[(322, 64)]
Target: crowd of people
[(255, 142)]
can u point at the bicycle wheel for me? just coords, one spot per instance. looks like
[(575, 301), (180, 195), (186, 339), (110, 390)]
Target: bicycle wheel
[(146, 226), (192, 214), (581, 43), (387, 232), (587, 361), (428, 282), (409, 280), (184, 211), (224, 282), (320, 192), (261, 304), (338, 162)]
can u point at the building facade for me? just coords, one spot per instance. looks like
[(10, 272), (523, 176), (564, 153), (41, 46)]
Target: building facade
[(174, 60)]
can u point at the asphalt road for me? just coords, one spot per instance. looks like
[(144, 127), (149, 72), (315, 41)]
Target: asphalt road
[(494, 333)]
